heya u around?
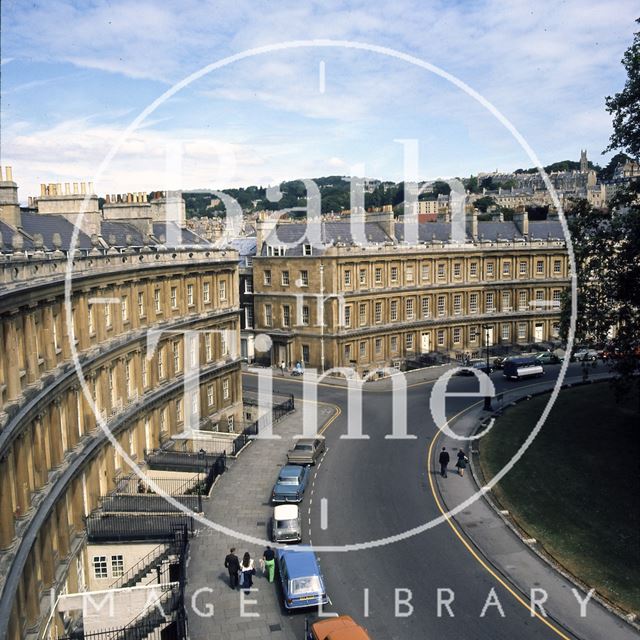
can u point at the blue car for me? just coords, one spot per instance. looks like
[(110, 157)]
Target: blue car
[(291, 483), (301, 580)]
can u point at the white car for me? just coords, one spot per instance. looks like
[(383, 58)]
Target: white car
[(285, 524)]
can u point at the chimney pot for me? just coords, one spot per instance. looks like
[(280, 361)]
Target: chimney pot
[(83, 188), (67, 189), (90, 187), (8, 171), (43, 189), (75, 188)]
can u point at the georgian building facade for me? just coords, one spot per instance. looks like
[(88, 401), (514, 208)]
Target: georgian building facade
[(140, 322), (389, 301)]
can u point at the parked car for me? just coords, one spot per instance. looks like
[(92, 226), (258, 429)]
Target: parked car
[(585, 355), (291, 483), (480, 365), (518, 368), (339, 628), (285, 524), (300, 578), (548, 358), (306, 451)]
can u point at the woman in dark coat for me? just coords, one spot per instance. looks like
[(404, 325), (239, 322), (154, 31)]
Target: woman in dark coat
[(462, 462), (247, 572)]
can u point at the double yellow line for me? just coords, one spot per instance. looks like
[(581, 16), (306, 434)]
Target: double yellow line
[(466, 544)]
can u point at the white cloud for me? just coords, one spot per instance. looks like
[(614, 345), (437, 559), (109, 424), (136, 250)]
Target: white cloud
[(545, 65)]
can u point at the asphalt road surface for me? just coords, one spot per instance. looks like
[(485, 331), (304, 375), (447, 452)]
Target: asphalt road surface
[(380, 487)]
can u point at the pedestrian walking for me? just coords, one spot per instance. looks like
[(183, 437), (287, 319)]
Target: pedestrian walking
[(462, 462), (269, 558), (232, 564), (283, 367), (444, 462), (248, 571)]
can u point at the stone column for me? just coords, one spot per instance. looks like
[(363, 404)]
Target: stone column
[(50, 357), (55, 433), (46, 554), (62, 523), (7, 523), (11, 353), (31, 593), (23, 493), (71, 402), (31, 347), (78, 506), (39, 455)]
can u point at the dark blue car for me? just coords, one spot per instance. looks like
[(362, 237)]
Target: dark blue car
[(301, 580), (291, 483)]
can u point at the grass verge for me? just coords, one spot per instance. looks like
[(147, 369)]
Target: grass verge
[(577, 487)]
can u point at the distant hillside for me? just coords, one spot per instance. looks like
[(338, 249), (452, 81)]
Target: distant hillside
[(334, 194), (563, 165)]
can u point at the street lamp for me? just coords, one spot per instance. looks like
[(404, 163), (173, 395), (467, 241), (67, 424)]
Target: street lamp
[(487, 399)]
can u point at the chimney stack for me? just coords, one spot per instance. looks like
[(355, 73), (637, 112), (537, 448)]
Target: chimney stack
[(9, 205), (521, 219), (472, 223)]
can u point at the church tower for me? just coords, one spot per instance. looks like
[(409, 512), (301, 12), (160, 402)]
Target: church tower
[(584, 163)]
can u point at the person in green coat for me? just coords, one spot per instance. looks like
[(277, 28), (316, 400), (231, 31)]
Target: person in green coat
[(269, 558)]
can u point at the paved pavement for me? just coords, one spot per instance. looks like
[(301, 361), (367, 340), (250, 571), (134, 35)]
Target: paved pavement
[(375, 488), (240, 500), (503, 550)]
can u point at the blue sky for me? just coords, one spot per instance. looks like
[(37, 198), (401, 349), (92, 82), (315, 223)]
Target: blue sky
[(75, 74)]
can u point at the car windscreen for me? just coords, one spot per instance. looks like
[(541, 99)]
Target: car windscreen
[(289, 480), (287, 524), (309, 584), (303, 447)]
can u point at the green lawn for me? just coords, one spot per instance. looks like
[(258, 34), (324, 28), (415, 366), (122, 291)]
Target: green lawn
[(577, 488)]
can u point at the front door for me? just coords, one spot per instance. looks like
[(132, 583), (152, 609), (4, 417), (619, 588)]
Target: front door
[(282, 354), (538, 335), (426, 343), (488, 336)]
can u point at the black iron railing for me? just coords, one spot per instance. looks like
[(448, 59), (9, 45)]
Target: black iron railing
[(278, 411), (153, 626), (164, 619), (121, 527), (132, 484), (148, 503), (169, 460)]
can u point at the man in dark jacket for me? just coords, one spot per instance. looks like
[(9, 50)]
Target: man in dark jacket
[(444, 462), (232, 564)]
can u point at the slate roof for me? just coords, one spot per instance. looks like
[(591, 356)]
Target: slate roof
[(118, 231), (495, 230), (170, 230), (244, 246), (543, 228), (7, 236), (426, 231), (332, 232), (47, 225)]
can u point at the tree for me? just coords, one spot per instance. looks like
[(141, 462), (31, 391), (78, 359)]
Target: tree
[(624, 106), (607, 246), (606, 174), (484, 203)]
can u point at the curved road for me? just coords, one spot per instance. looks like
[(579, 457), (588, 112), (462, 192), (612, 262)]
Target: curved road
[(380, 487)]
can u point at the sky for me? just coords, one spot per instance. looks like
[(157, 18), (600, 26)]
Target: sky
[(75, 75)]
